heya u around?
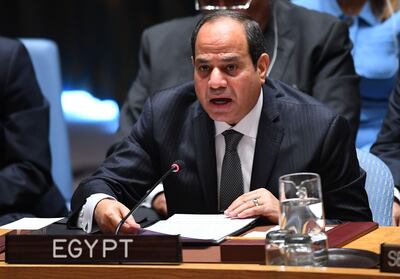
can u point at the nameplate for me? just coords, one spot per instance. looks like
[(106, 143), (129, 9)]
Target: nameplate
[(243, 251), (390, 258), (92, 249)]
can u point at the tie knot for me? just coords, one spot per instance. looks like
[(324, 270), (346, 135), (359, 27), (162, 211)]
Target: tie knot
[(232, 139)]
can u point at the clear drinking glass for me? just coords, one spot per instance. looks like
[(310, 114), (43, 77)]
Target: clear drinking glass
[(275, 247), (302, 210), (298, 250)]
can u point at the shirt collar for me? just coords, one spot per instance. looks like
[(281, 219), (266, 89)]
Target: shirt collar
[(248, 126), (365, 14), (368, 16)]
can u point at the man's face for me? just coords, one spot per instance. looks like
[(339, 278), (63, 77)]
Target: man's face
[(227, 83)]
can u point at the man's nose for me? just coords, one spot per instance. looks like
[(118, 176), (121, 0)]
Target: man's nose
[(217, 79)]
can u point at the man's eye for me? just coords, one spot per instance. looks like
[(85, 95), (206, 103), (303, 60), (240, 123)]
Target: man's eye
[(231, 68), (204, 68)]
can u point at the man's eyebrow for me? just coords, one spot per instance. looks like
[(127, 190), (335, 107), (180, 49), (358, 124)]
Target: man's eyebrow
[(201, 60), (230, 58)]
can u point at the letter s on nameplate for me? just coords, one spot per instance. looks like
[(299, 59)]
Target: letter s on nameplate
[(390, 258)]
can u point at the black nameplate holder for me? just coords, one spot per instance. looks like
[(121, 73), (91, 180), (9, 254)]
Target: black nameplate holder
[(390, 258), (91, 249)]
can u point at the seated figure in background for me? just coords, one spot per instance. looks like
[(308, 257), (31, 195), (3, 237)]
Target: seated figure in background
[(26, 185), (374, 28), (309, 51), (387, 145)]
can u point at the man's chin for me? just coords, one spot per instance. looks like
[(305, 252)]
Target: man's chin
[(223, 118)]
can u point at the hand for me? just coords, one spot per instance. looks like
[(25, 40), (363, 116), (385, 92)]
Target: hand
[(396, 213), (246, 205), (108, 213), (159, 204)]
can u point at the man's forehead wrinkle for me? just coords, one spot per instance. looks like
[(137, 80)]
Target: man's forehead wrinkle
[(225, 38), (214, 42)]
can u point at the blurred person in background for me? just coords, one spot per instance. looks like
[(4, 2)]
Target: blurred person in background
[(387, 145), (374, 27), (26, 184)]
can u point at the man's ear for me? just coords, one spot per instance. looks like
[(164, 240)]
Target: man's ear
[(192, 60), (262, 66)]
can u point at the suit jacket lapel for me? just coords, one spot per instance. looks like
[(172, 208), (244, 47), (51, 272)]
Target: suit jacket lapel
[(204, 137), (269, 138)]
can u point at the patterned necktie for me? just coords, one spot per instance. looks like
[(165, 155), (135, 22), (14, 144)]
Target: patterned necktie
[(231, 173)]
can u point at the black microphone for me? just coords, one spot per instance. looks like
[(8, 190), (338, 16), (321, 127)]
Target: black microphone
[(176, 166)]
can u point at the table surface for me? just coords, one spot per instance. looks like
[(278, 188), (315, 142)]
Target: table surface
[(369, 242), (372, 241)]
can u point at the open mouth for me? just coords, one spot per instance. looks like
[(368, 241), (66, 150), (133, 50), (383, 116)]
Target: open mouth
[(220, 101)]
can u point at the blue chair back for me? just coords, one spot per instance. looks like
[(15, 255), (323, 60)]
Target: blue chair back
[(379, 186), (45, 59)]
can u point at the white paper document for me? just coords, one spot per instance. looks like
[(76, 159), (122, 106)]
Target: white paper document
[(30, 223), (260, 234), (209, 227)]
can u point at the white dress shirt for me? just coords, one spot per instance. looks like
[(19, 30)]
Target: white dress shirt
[(248, 126)]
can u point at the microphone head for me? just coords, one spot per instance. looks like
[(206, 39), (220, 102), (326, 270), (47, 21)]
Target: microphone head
[(178, 165)]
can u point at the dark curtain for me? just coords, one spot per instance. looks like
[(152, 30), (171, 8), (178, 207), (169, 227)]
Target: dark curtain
[(98, 39)]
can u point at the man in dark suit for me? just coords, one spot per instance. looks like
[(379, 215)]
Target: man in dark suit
[(279, 129), (387, 145), (309, 51), (26, 184)]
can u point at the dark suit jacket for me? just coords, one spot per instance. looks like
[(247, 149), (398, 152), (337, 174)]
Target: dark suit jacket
[(387, 145), (26, 184), (295, 134), (313, 55)]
